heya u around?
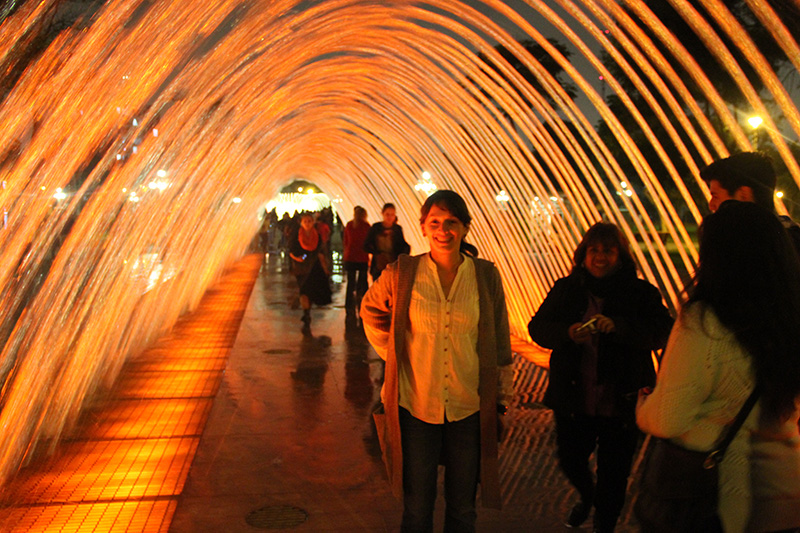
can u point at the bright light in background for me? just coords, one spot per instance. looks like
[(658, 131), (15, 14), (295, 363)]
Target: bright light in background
[(779, 194), (426, 184), (161, 173), (293, 202), (502, 198), (59, 195), (237, 200), (755, 121)]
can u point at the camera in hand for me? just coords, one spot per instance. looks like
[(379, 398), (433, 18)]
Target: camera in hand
[(589, 324)]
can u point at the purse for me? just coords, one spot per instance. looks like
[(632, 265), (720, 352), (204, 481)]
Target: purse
[(678, 490)]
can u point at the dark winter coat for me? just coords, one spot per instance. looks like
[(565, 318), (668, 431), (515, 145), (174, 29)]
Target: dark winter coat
[(642, 324)]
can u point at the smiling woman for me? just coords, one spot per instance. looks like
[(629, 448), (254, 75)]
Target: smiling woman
[(448, 315), (602, 322)]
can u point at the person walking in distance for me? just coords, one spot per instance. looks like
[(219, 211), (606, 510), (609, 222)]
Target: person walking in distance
[(385, 241), (356, 259), (309, 265)]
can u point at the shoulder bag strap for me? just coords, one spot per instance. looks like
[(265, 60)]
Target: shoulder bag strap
[(717, 453)]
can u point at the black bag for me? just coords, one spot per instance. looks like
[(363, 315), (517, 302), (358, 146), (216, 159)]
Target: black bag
[(678, 491)]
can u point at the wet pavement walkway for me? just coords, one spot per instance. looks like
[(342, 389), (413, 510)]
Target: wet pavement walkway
[(279, 436)]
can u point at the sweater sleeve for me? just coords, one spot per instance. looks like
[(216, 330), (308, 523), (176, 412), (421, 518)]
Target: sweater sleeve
[(376, 311), (502, 329), (684, 381), (505, 385), (547, 328)]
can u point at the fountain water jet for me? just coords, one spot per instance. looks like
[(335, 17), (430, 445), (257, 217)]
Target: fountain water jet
[(233, 100)]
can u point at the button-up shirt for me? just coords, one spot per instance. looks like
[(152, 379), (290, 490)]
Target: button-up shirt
[(440, 377)]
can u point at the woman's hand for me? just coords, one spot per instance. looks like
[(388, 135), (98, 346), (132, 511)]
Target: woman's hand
[(578, 334), (604, 324)]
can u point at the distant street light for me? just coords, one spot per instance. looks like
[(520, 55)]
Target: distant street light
[(426, 184), (502, 199)]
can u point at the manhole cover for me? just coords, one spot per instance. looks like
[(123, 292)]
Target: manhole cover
[(277, 351), (277, 517)]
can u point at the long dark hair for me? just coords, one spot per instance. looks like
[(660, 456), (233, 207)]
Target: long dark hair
[(608, 235), (749, 275), (452, 202)]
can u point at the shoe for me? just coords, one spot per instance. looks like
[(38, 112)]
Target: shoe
[(578, 514)]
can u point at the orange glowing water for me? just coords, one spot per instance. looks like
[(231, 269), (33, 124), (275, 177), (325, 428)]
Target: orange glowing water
[(156, 118)]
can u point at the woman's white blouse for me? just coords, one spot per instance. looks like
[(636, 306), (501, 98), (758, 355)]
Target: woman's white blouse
[(440, 377)]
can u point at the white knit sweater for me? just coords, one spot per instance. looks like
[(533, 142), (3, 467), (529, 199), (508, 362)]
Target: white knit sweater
[(704, 379)]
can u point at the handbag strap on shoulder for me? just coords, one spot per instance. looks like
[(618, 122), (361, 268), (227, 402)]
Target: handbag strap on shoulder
[(715, 456)]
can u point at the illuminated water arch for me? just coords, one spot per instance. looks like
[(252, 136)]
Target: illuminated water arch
[(162, 127)]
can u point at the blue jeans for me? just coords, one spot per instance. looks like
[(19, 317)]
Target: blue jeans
[(456, 445)]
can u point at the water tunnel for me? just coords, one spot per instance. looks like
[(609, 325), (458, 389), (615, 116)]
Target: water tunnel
[(141, 140)]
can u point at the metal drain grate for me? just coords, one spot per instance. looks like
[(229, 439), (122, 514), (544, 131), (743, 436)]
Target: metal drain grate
[(276, 517)]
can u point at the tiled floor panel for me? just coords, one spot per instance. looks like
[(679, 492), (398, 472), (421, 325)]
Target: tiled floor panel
[(127, 463)]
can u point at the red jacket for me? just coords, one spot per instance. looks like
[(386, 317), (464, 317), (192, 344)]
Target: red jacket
[(354, 235)]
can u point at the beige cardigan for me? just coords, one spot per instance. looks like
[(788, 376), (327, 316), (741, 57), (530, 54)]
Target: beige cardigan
[(384, 312)]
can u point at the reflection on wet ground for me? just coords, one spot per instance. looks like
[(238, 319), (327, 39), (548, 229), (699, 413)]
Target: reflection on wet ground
[(275, 431), (291, 427)]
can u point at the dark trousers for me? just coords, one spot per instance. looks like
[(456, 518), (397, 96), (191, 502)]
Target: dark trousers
[(356, 284), (457, 446), (577, 436)]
